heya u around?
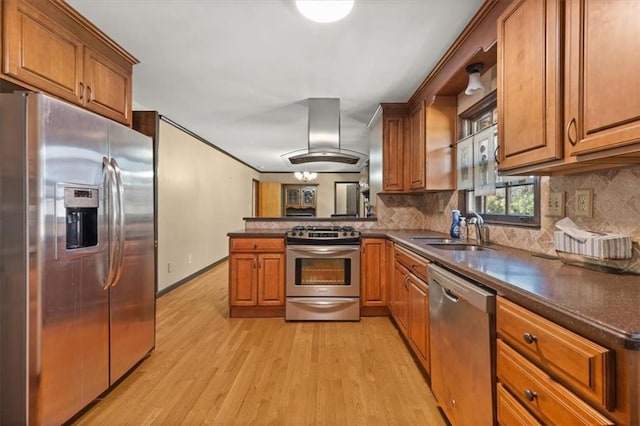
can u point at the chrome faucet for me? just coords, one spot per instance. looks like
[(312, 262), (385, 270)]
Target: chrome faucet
[(478, 222)]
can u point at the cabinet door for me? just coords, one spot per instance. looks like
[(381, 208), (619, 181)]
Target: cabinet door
[(40, 53), (271, 271), (440, 123), (529, 83), (292, 197), (243, 289), (308, 197), (416, 151), (602, 68), (108, 87), (393, 154), (419, 319), (401, 298), (372, 272)]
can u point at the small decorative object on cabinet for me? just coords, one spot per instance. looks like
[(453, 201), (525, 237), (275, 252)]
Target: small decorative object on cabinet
[(256, 277), (50, 47)]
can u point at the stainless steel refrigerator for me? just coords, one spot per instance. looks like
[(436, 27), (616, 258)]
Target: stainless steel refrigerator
[(77, 293)]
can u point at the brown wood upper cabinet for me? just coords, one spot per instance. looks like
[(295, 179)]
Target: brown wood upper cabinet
[(393, 152), (49, 47), (602, 75), (529, 78), (429, 147), (568, 88)]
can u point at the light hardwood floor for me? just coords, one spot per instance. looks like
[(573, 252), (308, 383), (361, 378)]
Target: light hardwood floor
[(210, 369)]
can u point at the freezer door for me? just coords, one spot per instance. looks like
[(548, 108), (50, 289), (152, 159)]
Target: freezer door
[(132, 327), (68, 223)]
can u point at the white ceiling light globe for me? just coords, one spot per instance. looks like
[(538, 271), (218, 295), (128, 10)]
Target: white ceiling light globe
[(324, 10)]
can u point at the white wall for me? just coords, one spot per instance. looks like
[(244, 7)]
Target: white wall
[(202, 194), (326, 187)]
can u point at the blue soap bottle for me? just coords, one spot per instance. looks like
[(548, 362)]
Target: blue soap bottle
[(455, 224)]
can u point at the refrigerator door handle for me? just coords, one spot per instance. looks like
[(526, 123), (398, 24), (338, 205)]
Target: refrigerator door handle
[(109, 185), (120, 217)]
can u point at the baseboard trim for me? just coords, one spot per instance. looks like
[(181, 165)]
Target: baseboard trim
[(190, 277)]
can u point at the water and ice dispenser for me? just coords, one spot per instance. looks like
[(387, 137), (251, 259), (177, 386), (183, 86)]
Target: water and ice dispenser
[(81, 207)]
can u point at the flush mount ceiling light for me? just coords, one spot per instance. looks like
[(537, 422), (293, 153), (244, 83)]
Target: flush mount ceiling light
[(305, 176), (324, 10), (475, 84)]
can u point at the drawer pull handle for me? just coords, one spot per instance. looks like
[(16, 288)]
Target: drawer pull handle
[(529, 338), (530, 395)]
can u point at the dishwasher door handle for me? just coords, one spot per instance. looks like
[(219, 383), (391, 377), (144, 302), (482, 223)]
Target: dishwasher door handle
[(449, 295)]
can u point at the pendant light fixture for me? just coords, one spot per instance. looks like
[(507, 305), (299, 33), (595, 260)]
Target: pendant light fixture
[(324, 11), (305, 176), (475, 85)]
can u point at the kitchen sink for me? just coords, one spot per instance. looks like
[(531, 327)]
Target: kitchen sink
[(434, 240), (459, 247)]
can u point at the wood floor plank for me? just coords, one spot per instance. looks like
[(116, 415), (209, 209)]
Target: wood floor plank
[(208, 368)]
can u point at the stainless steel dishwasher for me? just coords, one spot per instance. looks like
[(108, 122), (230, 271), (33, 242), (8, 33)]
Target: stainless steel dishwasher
[(462, 316)]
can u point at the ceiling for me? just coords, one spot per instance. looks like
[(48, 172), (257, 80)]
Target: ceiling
[(239, 73)]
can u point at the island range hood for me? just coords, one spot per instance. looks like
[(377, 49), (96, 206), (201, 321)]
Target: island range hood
[(324, 134)]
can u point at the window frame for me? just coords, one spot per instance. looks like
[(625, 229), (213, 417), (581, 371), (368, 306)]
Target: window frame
[(466, 122)]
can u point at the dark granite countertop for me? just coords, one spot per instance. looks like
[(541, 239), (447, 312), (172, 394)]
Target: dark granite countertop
[(259, 233), (603, 307)]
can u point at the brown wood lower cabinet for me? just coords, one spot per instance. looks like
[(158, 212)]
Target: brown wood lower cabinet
[(409, 302), (373, 277), (256, 277), (419, 320), (549, 372)]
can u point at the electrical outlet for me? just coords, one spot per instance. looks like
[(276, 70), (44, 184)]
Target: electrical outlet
[(555, 207), (440, 205), (169, 267), (189, 259), (584, 202)]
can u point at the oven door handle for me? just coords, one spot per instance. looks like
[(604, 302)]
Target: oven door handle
[(324, 251), (323, 303)]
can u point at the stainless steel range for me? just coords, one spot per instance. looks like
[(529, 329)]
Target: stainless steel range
[(323, 274)]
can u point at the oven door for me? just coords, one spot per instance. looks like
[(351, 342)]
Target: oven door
[(323, 271)]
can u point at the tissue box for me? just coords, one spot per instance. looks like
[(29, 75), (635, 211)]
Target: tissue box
[(609, 246)]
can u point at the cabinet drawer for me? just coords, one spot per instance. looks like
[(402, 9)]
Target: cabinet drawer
[(511, 412), (585, 366), (256, 244), (546, 398), (414, 263)]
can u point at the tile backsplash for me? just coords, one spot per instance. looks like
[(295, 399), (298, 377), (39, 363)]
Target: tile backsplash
[(616, 208)]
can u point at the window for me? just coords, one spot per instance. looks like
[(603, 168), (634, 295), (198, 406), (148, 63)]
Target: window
[(514, 200)]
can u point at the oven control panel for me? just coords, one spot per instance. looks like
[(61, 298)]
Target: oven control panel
[(328, 234)]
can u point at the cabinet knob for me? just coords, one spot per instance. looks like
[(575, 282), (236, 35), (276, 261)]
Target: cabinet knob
[(529, 338), (530, 395), (495, 154), (81, 90)]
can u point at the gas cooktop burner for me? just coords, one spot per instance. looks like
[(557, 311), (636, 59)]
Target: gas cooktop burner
[(323, 235)]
